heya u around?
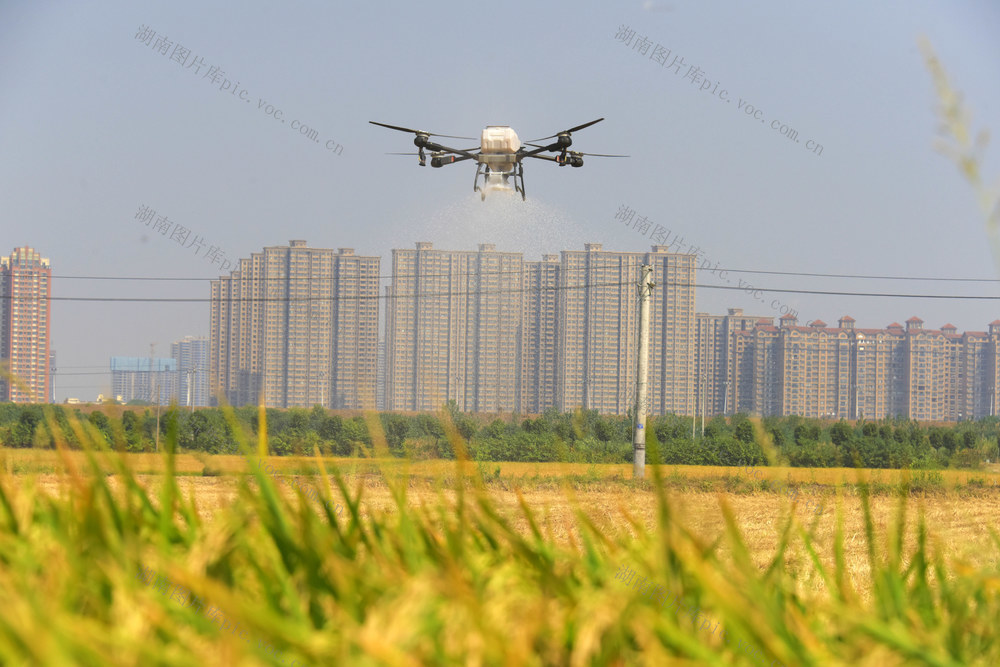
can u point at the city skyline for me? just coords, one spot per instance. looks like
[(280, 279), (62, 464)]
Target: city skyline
[(533, 391), (494, 333)]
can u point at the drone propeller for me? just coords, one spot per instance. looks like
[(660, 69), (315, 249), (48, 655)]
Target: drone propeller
[(429, 134), (598, 154), (570, 130)]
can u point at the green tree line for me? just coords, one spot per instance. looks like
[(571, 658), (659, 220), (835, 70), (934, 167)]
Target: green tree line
[(580, 437)]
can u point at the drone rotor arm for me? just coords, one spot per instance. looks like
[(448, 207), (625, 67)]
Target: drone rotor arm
[(439, 160), (438, 148), (541, 149), (550, 158)]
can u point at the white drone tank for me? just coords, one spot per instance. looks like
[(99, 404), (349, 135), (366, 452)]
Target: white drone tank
[(500, 139)]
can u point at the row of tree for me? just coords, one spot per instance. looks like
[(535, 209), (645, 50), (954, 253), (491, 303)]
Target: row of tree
[(583, 436)]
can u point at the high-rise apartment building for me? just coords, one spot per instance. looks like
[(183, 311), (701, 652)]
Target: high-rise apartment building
[(495, 333), (296, 326), (815, 369), (672, 361), (191, 355), (453, 328), (25, 289), (878, 370), (236, 326), (979, 375), (848, 372), (714, 348), (756, 369), (355, 330), (598, 316), (540, 334)]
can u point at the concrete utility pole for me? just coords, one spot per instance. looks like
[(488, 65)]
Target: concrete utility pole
[(154, 388), (191, 372), (704, 403), (645, 286)]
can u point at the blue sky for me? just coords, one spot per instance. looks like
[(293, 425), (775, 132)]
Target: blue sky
[(95, 124)]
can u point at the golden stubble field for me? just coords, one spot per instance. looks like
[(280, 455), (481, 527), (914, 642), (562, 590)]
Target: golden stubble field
[(958, 519)]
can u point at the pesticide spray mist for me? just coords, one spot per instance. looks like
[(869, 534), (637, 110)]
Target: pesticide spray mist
[(530, 226)]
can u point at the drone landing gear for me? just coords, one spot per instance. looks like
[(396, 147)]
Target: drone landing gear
[(475, 181), (517, 172)]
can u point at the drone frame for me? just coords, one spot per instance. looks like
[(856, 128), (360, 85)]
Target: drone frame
[(442, 155)]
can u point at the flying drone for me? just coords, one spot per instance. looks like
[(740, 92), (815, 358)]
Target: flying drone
[(499, 154)]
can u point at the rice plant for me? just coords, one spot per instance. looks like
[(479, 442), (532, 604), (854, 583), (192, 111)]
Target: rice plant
[(84, 573)]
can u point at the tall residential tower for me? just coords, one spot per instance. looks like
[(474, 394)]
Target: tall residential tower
[(453, 328), (598, 330), (25, 289), (191, 355), (295, 326)]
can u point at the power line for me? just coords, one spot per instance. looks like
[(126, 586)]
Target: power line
[(77, 386), (453, 274), (61, 374), (857, 276), (872, 294), (124, 278), (517, 290), (283, 299), (850, 275)]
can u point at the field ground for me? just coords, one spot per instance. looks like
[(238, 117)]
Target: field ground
[(958, 514)]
